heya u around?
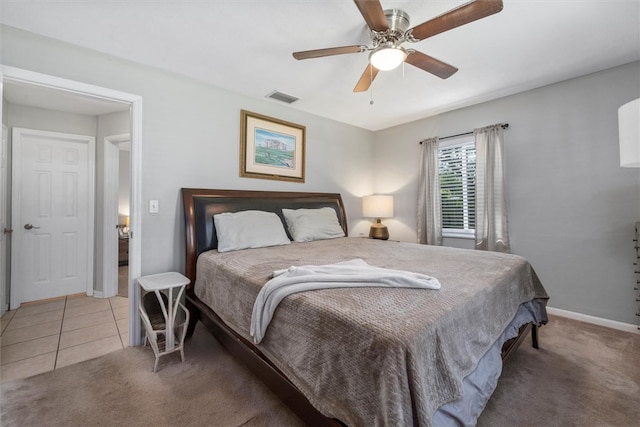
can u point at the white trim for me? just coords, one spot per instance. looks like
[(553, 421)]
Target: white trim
[(19, 75), (135, 102), (92, 215), (613, 324), (4, 239), (459, 234), (135, 223), (462, 142), (109, 220), (110, 213), (98, 294), (458, 141)]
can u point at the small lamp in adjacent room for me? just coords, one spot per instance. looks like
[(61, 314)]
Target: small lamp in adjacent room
[(378, 206), (629, 134)]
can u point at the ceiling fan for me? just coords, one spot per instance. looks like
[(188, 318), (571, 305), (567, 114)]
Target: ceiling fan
[(390, 29)]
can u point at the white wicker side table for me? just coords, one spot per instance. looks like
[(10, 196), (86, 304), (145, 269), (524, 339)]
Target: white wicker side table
[(160, 314)]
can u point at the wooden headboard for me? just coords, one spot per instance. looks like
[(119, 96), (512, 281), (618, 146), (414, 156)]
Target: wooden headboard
[(201, 204)]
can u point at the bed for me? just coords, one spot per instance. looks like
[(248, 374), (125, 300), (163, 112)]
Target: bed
[(361, 356)]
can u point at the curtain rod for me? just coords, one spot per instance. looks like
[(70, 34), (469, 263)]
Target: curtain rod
[(504, 126)]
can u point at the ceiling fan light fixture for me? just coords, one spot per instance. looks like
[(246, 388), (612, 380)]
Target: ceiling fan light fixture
[(387, 57), (390, 29)]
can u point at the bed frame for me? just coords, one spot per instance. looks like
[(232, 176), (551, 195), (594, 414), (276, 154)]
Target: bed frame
[(199, 207)]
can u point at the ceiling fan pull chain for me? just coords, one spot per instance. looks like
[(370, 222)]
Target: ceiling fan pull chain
[(371, 87)]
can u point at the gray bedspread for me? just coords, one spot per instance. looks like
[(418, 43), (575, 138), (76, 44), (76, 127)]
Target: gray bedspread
[(375, 356)]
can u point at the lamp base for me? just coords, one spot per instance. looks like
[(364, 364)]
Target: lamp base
[(379, 231)]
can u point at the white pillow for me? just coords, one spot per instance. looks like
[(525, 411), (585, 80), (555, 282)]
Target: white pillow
[(306, 225), (249, 229)]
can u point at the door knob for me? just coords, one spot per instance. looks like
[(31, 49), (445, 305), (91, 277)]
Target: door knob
[(29, 227)]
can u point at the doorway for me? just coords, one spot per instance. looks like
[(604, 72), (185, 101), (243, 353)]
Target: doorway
[(95, 94), (116, 223)]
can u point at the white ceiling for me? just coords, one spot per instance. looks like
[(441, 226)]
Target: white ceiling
[(245, 46)]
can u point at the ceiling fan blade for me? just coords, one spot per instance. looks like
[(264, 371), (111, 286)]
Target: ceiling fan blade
[(430, 64), (317, 53), (464, 14), (373, 14), (366, 79)]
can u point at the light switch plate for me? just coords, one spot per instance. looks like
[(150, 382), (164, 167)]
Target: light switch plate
[(153, 206)]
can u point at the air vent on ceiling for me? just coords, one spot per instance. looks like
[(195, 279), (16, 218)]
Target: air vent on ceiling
[(279, 96)]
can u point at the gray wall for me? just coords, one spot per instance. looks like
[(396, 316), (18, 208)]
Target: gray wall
[(571, 206), (54, 121), (191, 138)]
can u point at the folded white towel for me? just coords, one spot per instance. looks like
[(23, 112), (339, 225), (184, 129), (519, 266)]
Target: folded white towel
[(353, 273)]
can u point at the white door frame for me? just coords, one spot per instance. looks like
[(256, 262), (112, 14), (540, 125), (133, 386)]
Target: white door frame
[(18, 75), (17, 275), (4, 190), (110, 191)]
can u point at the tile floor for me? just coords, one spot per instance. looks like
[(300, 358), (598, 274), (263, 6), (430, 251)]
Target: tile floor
[(40, 337)]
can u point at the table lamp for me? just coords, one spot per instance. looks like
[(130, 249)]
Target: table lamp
[(378, 206)]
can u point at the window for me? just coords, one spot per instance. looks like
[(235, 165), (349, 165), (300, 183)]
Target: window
[(457, 174)]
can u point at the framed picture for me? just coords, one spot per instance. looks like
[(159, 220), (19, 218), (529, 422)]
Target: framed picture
[(271, 148)]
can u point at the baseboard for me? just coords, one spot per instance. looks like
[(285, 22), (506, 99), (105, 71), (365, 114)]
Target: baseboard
[(101, 294), (613, 324)]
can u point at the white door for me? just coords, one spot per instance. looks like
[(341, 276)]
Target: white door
[(52, 215)]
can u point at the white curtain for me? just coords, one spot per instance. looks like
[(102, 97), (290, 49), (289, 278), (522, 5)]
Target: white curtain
[(429, 208), (491, 210)]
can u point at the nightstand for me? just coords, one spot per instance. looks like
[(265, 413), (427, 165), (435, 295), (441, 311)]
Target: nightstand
[(123, 251), (165, 327)]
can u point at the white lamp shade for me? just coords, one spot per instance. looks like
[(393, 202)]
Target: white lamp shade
[(629, 134), (387, 58), (377, 206)]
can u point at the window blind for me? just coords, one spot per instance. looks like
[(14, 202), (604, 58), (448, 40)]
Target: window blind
[(457, 171)]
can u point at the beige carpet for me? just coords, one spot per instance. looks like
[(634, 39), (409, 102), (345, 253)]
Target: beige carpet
[(583, 375)]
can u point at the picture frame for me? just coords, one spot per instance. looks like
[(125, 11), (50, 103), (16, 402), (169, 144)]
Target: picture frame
[(271, 148)]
